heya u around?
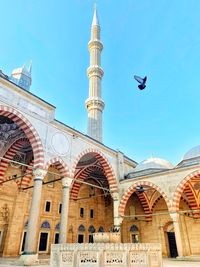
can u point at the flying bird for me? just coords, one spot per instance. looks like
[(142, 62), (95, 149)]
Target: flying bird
[(141, 81)]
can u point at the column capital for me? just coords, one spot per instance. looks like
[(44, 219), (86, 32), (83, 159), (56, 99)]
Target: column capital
[(66, 182), (174, 216), (115, 196), (39, 174)]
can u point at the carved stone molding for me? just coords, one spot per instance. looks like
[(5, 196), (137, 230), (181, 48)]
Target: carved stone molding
[(95, 44), (95, 70), (39, 174), (106, 254), (94, 103)]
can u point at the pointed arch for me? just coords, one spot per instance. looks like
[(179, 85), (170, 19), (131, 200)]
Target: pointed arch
[(107, 168), (132, 189), (180, 188), (27, 178), (30, 132), (60, 165), (81, 176), (9, 155), (46, 225), (145, 204)]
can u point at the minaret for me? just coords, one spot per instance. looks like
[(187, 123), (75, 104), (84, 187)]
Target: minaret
[(94, 103), (22, 76)]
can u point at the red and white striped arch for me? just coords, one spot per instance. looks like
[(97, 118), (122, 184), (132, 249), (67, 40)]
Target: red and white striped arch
[(30, 132), (81, 175), (132, 189), (25, 181), (108, 171), (11, 152), (145, 204), (60, 165), (181, 187)]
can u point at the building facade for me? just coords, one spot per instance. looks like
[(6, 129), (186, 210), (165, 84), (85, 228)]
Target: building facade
[(59, 185)]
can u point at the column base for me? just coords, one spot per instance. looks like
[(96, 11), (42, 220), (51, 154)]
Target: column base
[(180, 258), (28, 259)]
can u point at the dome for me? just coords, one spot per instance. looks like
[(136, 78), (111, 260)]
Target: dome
[(153, 163), (20, 71), (192, 153)]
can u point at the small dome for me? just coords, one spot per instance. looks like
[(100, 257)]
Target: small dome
[(192, 153), (22, 70), (153, 163)]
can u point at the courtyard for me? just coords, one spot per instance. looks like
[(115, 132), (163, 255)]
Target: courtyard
[(5, 262)]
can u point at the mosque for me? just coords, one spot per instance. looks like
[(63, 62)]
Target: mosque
[(58, 185)]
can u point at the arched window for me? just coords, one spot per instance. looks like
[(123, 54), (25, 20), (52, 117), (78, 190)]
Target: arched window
[(81, 228), (134, 228), (91, 229), (101, 230), (45, 225), (57, 226), (134, 234)]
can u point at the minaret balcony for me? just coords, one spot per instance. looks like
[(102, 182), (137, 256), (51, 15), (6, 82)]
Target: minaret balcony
[(95, 70), (95, 44), (94, 103)]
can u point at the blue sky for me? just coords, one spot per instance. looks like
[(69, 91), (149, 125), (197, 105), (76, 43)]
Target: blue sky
[(157, 38)]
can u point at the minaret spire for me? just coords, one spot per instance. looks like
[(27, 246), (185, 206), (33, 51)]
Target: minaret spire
[(94, 103), (95, 17)]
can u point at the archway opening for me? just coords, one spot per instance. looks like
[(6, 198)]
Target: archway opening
[(170, 240), (91, 201), (147, 210), (17, 158), (188, 207)]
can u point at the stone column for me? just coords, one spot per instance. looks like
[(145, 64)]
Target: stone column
[(30, 245), (64, 212), (176, 223), (30, 251), (115, 210)]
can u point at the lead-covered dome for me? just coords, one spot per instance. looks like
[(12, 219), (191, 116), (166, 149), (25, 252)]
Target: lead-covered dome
[(192, 153), (153, 163), (150, 166), (191, 157)]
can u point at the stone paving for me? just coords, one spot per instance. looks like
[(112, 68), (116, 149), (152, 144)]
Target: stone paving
[(174, 263), (166, 263)]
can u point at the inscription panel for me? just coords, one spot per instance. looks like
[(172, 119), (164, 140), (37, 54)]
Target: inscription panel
[(138, 259), (88, 258), (67, 259), (115, 258)]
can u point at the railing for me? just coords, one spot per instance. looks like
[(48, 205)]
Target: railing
[(106, 255)]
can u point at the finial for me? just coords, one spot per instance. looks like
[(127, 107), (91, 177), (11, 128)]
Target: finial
[(95, 21), (30, 66)]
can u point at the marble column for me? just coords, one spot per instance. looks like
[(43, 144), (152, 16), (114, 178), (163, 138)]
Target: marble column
[(176, 223), (115, 197), (64, 212), (31, 237)]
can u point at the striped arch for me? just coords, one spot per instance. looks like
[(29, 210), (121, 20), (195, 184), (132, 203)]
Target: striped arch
[(107, 168), (81, 176), (146, 205), (30, 132), (156, 201), (60, 165), (27, 178), (180, 188), (132, 189), (13, 149)]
